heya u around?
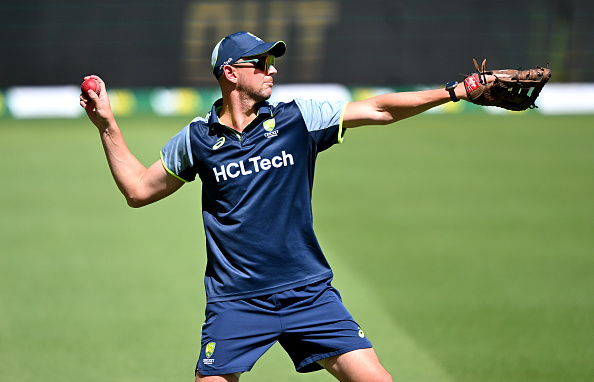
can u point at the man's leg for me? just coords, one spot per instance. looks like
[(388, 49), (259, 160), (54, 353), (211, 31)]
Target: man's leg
[(217, 378), (357, 366)]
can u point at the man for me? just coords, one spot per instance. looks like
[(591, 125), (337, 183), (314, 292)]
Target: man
[(266, 278)]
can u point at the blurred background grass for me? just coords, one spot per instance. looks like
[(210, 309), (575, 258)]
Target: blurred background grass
[(462, 245)]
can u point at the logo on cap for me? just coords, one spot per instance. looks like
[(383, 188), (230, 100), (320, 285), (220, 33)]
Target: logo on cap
[(256, 37), (226, 62)]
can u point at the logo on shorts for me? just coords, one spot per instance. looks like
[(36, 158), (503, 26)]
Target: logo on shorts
[(210, 347), (361, 334)]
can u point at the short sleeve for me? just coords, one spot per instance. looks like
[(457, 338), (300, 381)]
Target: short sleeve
[(323, 120), (177, 156)]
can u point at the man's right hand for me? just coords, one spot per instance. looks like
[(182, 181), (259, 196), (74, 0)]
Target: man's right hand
[(97, 106)]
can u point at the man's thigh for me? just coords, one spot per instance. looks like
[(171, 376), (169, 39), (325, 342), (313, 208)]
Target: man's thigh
[(360, 365)]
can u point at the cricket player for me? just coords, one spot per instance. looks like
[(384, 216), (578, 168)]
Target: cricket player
[(266, 279)]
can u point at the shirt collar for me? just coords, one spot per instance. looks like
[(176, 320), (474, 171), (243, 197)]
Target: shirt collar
[(264, 110)]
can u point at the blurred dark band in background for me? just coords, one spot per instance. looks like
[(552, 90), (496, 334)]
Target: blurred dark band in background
[(355, 43)]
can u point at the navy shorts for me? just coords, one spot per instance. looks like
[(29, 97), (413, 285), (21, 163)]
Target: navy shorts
[(311, 323)]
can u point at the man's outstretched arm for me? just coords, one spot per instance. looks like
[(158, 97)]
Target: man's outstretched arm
[(140, 186), (389, 108)]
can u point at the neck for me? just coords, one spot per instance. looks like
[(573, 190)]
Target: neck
[(237, 112)]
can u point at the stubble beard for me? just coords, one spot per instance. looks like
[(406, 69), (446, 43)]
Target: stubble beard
[(256, 95)]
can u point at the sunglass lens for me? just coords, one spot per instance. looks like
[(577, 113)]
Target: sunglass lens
[(266, 63), (270, 60)]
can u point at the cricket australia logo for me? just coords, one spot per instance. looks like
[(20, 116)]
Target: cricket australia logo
[(210, 348), (269, 126)]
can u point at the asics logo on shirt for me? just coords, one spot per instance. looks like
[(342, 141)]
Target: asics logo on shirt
[(220, 142), (253, 165)]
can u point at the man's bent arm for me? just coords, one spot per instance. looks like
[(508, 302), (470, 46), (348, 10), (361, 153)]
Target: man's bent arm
[(140, 186)]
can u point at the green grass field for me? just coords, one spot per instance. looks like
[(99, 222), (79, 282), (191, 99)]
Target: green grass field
[(462, 244)]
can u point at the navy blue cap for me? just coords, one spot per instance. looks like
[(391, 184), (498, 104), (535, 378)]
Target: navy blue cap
[(242, 44)]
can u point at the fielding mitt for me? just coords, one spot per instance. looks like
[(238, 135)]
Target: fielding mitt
[(512, 89)]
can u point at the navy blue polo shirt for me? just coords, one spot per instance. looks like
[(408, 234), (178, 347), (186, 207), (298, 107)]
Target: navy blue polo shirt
[(256, 194)]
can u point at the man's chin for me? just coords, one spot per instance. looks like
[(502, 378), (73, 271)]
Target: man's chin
[(265, 95)]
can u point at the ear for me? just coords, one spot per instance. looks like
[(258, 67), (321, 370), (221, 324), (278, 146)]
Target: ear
[(230, 73)]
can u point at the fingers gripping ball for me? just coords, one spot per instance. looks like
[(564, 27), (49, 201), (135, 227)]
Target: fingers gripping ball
[(511, 89), (90, 84)]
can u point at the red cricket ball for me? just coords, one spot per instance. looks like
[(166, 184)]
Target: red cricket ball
[(90, 84)]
